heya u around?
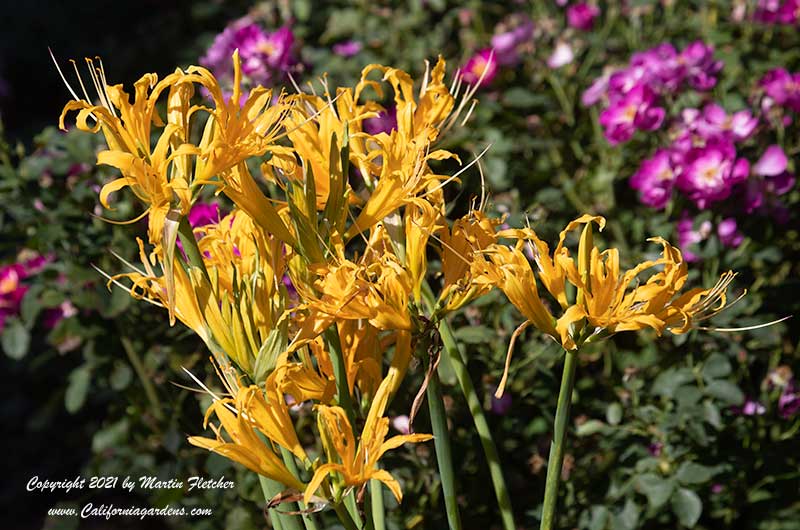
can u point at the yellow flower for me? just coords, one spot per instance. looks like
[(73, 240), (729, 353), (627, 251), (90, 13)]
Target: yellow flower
[(234, 309), (236, 131), (316, 129), (158, 175), (356, 464), (377, 292), (306, 380), (399, 161), (422, 219), (363, 355), (241, 418), (148, 285), (463, 259), (607, 300)]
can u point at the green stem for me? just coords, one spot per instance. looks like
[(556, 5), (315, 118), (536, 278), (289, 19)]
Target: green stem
[(376, 504), (344, 517), (340, 373), (352, 508), (190, 248), (556, 459), (369, 519), (563, 99), (141, 373), (441, 441), (456, 358), (344, 400), (481, 425), (291, 465), (279, 520)]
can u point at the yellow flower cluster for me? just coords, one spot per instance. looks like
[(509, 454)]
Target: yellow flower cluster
[(606, 301), (321, 267)]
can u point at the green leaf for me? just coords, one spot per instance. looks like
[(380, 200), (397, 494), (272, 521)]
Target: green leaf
[(51, 298), (692, 473), (302, 8), (614, 413), (31, 307), (342, 23), (687, 507), (267, 355), (696, 431), (597, 518), (628, 518), (758, 496), (121, 376), (111, 436), (78, 388), (716, 366), (15, 339), (590, 427), (518, 97), (473, 334), (688, 396), (711, 415), (657, 489), (725, 391), (116, 303), (668, 382)]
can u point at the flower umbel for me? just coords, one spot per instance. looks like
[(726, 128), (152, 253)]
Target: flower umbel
[(608, 300), (357, 464)]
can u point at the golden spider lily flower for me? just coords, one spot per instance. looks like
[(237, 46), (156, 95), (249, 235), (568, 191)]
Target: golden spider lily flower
[(463, 259), (607, 300), (239, 127), (233, 323), (306, 380), (158, 175), (356, 464), (399, 164), (312, 377), (236, 248), (317, 128), (430, 112), (402, 174), (269, 413), (422, 219), (378, 292), (363, 355), (242, 418), (241, 188), (147, 285)]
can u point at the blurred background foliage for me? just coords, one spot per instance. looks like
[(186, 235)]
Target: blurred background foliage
[(688, 431)]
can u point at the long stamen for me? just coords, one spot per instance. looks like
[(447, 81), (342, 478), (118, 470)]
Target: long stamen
[(80, 80), (119, 284), (467, 97), (127, 263), (93, 77), (425, 78), (69, 87), (482, 204), (214, 396), (459, 172), (717, 293), (455, 86), (747, 328), (706, 317), (105, 85)]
